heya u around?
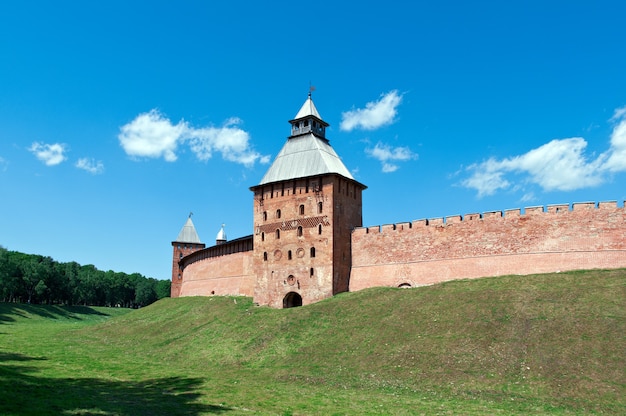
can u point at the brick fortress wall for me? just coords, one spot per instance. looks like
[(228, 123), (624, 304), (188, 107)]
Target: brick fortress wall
[(224, 269), (302, 238), (557, 238), (181, 250)]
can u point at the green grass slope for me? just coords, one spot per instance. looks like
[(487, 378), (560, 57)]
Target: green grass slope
[(509, 345)]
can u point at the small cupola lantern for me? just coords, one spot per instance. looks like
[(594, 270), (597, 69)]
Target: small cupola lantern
[(221, 236), (308, 120)]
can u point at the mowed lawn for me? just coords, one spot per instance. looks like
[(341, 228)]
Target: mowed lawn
[(541, 344)]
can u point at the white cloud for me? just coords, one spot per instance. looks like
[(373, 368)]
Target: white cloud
[(50, 154), (386, 154), (617, 154), (90, 165), (487, 178), (231, 141), (528, 197), (153, 135), (560, 165), (374, 115)]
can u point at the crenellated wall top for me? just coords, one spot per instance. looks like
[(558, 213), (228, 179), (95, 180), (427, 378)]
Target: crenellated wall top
[(493, 215)]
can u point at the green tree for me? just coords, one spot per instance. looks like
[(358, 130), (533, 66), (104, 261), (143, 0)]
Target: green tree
[(145, 292), (163, 289), (41, 288), (89, 288), (36, 279), (9, 283), (72, 282), (33, 271)]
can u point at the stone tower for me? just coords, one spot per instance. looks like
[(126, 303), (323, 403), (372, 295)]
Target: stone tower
[(305, 209), (186, 243)]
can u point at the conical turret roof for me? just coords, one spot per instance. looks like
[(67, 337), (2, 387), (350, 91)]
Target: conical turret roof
[(188, 233), (221, 235), (304, 156), (307, 152), (308, 109)]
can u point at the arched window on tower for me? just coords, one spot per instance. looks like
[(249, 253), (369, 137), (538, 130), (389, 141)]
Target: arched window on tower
[(301, 209), (264, 215), (319, 229), (300, 231), (265, 256), (278, 234), (277, 213), (312, 251), (262, 236), (319, 207)]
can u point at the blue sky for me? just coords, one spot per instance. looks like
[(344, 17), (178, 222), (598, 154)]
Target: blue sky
[(119, 118)]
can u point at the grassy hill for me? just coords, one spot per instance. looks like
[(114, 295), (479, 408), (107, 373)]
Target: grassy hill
[(509, 345)]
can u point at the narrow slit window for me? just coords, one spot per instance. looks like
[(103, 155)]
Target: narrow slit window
[(312, 251)]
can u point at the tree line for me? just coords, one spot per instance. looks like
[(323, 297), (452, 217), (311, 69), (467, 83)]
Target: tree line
[(32, 278)]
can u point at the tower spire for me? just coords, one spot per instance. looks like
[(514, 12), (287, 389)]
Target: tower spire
[(221, 236)]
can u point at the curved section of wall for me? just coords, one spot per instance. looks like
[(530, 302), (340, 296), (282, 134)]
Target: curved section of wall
[(229, 274), (558, 238), (234, 246)]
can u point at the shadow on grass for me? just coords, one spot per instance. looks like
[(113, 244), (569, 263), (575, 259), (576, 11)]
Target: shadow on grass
[(23, 393), (8, 311)]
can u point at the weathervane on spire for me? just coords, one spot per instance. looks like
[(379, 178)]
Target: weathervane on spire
[(190, 214), (311, 88)]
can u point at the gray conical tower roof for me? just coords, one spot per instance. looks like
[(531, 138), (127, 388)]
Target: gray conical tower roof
[(307, 152), (188, 233), (304, 156), (308, 109)]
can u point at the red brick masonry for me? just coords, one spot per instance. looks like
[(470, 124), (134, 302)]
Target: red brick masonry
[(553, 239)]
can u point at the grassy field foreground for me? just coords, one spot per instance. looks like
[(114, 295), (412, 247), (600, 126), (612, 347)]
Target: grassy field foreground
[(508, 345)]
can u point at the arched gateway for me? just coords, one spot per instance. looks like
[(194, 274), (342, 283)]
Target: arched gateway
[(291, 300)]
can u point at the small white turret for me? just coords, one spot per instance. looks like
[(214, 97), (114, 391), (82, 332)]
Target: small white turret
[(221, 236)]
